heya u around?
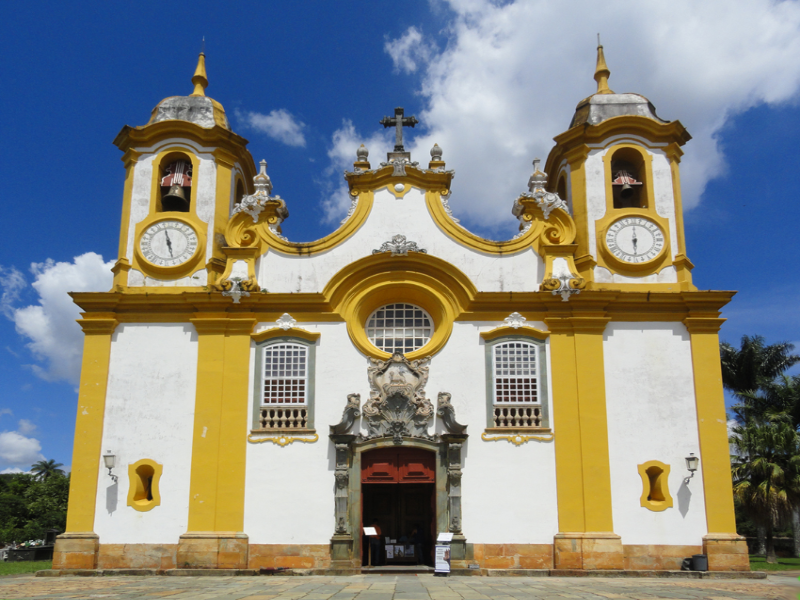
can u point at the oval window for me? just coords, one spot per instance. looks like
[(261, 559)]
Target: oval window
[(399, 328)]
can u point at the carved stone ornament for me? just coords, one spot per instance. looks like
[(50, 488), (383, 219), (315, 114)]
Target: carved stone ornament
[(255, 204), (397, 407), (285, 321), (447, 413), (515, 320), (563, 281), (351, 412), (447, 209), (236, 290), (351, 210), (399, 246), (547, 201)]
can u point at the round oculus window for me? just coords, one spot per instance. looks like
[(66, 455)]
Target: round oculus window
[(399, 328)]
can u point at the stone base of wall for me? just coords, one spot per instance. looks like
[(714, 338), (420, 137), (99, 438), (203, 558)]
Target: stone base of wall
[(657, 558), (213, 550), (305, 556), (511, 556), (137, 556), (76, 551), (589, 551), (726, 552)]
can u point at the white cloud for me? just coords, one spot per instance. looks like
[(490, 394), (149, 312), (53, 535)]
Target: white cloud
[(342, 154), (409, 51), (511, 73), (54, 337), (12, 471), (17, 450), (6, 411), (12, 282), (25, 426), (279, 124)]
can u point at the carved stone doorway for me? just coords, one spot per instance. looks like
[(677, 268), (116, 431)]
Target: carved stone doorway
[(398, 492)]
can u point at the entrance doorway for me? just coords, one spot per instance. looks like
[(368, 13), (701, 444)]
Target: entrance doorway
[(398, 492)]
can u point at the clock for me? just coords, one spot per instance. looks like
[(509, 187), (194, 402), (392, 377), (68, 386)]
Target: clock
[(168, 243), (635, 240)]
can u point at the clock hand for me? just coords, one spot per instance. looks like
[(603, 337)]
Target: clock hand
[(634, 239), (169, 242)]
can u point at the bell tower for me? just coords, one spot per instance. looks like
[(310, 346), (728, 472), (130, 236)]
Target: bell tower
[(185, 170), (618, 168)]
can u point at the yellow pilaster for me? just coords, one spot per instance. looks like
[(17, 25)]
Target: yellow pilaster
[(726, 550), (130, 159), (216, 497), (225, 162), (586, 539), (89, 422)]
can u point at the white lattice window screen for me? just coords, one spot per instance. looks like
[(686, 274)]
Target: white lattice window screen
[(285, 380), (399, 328), (515, 373)]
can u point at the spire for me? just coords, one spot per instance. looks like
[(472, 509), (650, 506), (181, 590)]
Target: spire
[(601, 73), (199, 79)]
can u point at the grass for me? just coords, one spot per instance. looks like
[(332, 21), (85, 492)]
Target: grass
[(758, 562), (16, 568)]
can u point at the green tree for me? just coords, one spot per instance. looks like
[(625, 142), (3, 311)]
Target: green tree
[(30, 506), (766, 472), (45, 468)]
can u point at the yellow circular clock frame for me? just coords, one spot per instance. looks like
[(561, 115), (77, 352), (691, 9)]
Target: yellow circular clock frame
[(169, 247), (634, 243)]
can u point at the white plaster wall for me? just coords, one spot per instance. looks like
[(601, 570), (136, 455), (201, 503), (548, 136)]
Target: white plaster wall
[(149, 414), (408, 216), (508, 492), (652, 416), (665, 195)]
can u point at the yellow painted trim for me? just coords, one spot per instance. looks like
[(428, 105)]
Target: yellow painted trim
[(518, 438), (505, 331), (712, 424), (663, 480), (281, 440), (216, 497), (225, 162), (144, 505), (241, 232), (420, 279), (130, 159), (674, 165), (89, 422), (277, 332)]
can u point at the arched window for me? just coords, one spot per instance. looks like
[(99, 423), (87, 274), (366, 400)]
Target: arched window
[(399, 328), (628, 179), (516, 387), (176, 184), (284, 396)]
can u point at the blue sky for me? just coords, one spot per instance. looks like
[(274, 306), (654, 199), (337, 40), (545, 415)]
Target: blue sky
[(306, 83)]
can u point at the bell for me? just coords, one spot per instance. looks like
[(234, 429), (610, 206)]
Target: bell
[(626, 193), (175, 200)]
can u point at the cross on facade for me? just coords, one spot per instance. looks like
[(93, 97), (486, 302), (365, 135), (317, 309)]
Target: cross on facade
[(398, 121)]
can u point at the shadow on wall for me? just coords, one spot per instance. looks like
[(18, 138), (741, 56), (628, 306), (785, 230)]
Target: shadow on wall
[(684, 496), (112, 493)]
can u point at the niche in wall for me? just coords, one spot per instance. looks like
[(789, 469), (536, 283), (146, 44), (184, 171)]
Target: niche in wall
[(655, 485), (143, 477)]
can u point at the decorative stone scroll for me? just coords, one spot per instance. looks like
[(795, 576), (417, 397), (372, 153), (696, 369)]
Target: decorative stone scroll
[(447, 412), (351, 412), (547, 201), (399, 246), (397, 406), (235, 290)]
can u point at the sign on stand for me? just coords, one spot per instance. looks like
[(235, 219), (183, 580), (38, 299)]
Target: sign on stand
[(442, 555)]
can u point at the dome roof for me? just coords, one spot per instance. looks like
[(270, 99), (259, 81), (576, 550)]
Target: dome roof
[(605, 104), (196, 108)]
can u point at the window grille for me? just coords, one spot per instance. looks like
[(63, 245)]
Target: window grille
[(516, 389), (285, 374), (399, 328)]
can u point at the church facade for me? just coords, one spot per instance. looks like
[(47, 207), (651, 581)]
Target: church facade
[(554, 401)]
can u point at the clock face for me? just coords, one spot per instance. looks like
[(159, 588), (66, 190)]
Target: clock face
[(635, 240), (168, 243)]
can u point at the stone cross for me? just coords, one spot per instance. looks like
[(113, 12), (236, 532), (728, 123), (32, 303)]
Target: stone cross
[(398, 121)]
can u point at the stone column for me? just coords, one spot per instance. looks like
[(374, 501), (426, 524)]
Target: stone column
[(342, 540), (458, 547)]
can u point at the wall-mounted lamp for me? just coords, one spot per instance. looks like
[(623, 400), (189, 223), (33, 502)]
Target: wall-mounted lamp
[(110, 460), (692, 462)]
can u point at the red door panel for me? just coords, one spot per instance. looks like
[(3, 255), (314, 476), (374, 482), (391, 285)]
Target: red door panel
[(390, 465)]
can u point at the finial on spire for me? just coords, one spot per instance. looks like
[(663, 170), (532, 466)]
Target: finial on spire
[(199, 79), (601, 73)]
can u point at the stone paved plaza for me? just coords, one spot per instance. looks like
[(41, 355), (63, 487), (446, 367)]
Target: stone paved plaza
[(396, 587)]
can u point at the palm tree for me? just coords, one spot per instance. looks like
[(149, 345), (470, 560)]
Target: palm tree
[(45, 468), (744, 370), (766, 472)]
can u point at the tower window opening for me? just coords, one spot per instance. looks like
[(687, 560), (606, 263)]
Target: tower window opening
[(239, 192), (176, 186), (628, 173)]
